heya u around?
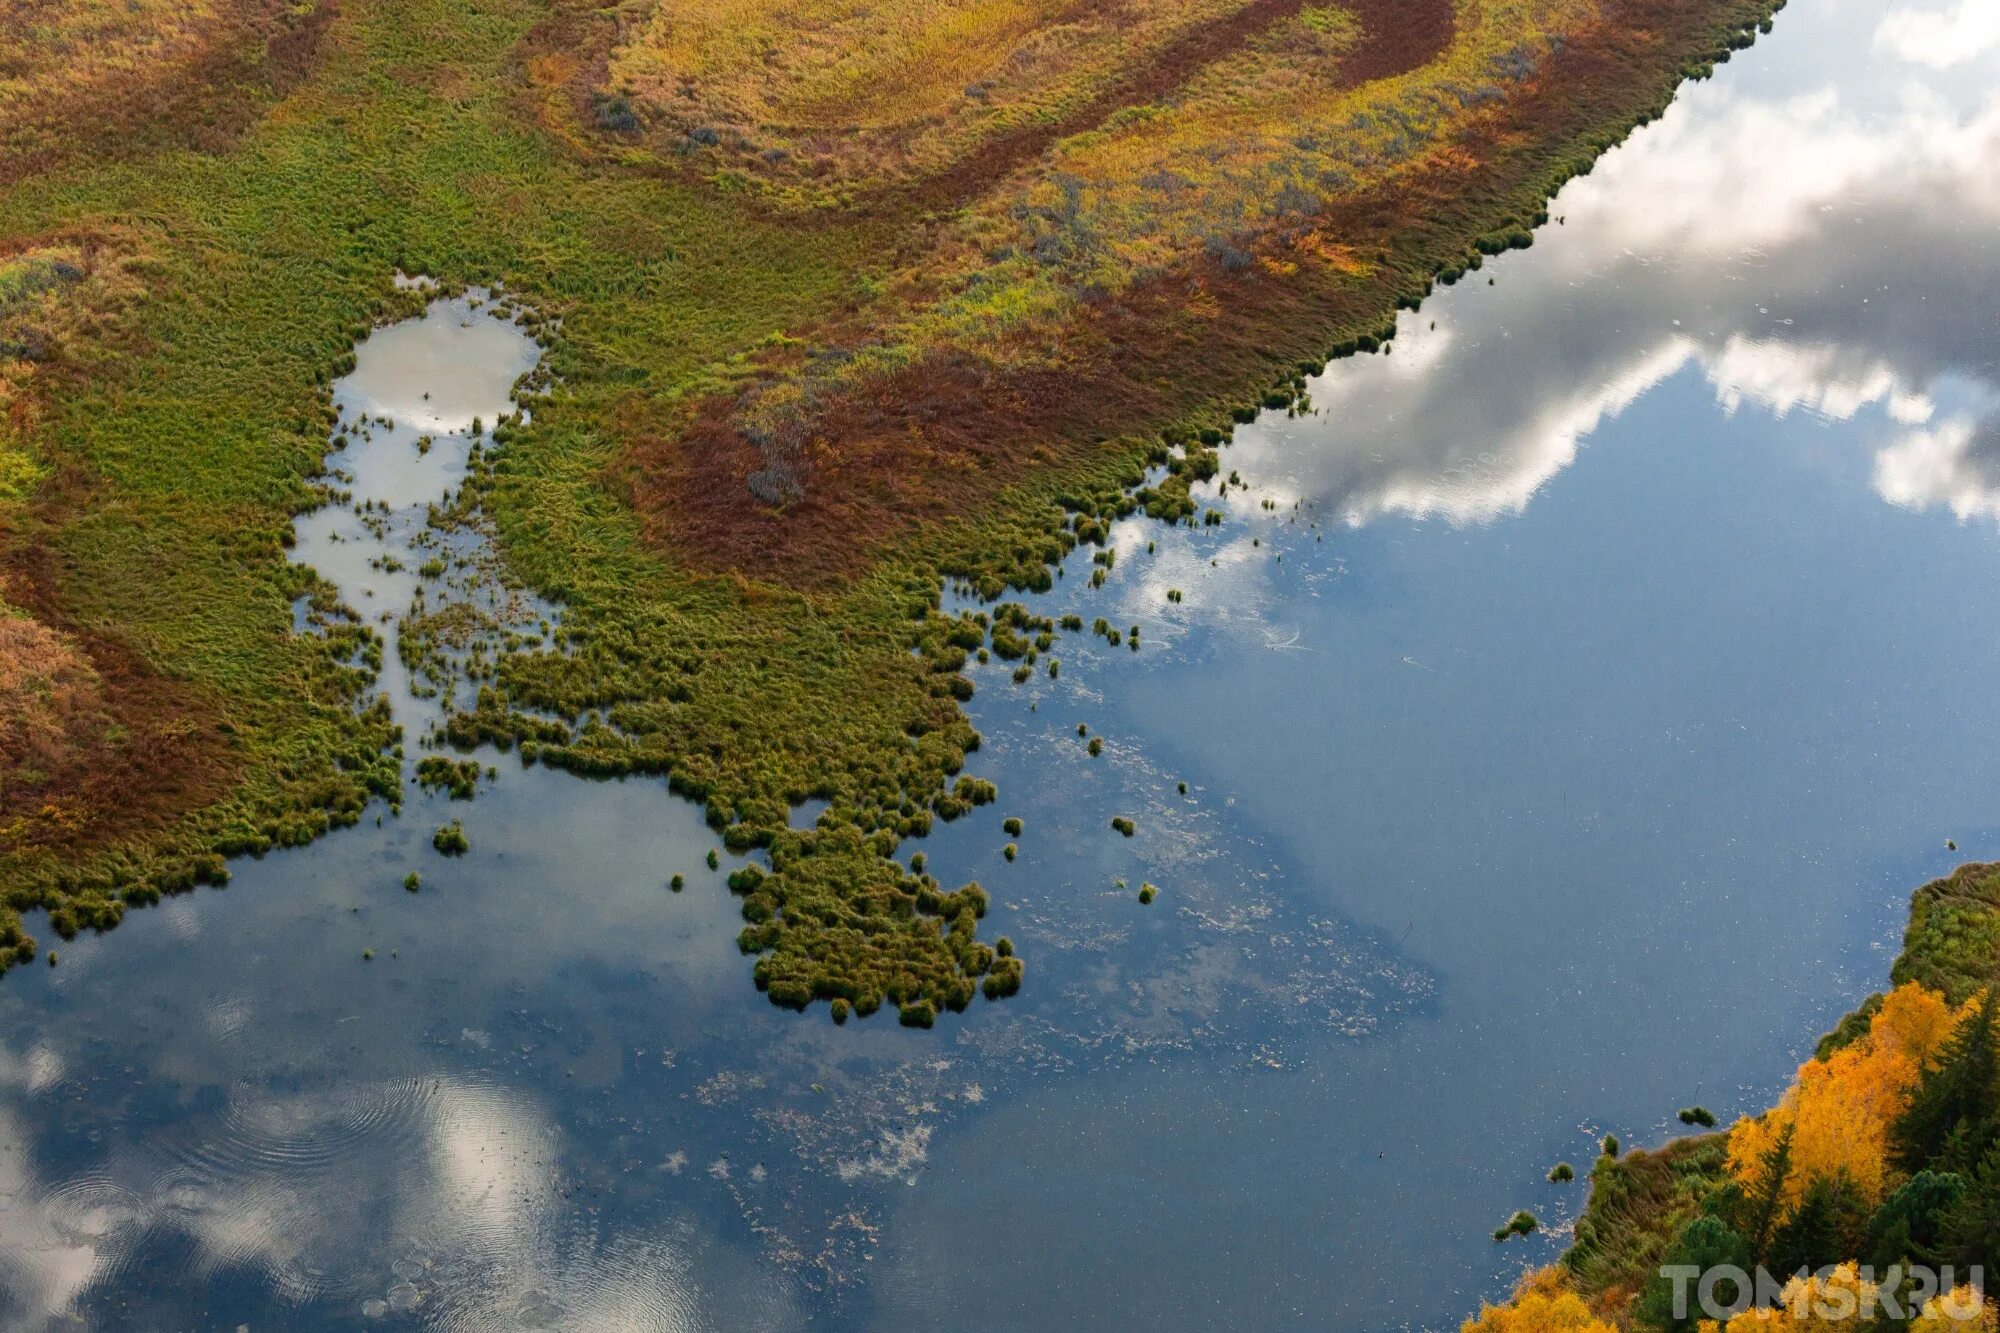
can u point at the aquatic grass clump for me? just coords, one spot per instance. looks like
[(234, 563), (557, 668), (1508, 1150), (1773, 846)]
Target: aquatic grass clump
[(458, 776), (1096, 746), (1010, 851), (1005, 978), (412, 882), (1561, 1173), (1697, 1115), (1147, 893), (1012, 826), (1523, 1223), (450, 839), (1124, 825)]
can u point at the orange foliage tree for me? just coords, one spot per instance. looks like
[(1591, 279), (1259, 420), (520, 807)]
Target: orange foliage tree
[(1839, 1110)]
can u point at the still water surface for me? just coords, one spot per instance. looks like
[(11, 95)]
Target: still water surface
[(1566, 708)]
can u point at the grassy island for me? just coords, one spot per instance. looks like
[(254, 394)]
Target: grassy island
[(919, 293)]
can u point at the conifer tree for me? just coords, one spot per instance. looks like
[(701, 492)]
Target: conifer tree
[(1972, 1228), (1764, 1199), (1954, 1103), (1909, 1224)]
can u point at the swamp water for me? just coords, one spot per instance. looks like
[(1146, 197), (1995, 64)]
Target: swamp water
[(1567, 707)]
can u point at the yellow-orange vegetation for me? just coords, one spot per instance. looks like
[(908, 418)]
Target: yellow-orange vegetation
[(1839, 1109), (1542, 1303), (49, 45), (57, 301), (46, 689), (1844, 1301), (868, 88)]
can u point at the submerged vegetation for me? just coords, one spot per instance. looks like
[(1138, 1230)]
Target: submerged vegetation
[(923, 293), (1884, 1152)]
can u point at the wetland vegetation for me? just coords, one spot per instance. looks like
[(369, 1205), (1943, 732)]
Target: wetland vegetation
[(812, 350)]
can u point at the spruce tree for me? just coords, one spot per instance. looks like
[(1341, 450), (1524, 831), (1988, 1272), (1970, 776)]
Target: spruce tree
[(1703, 1243), (1909, 1224), (1761, 1205), (1826, 1228), (1972, 1227), (1954, 1103)]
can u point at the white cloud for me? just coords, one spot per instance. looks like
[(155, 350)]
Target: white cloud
[(1940, 38), (1940, 466)]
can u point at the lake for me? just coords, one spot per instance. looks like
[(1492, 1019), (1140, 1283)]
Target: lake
[(1566, 707)]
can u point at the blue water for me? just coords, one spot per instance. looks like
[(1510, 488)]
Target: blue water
[(1567, 707)]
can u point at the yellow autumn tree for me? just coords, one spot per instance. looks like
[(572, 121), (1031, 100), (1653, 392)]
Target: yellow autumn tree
[(1839, 1109), (1542, 1303), (1960, 1311), (1844, 1302), (1841, 1302)]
